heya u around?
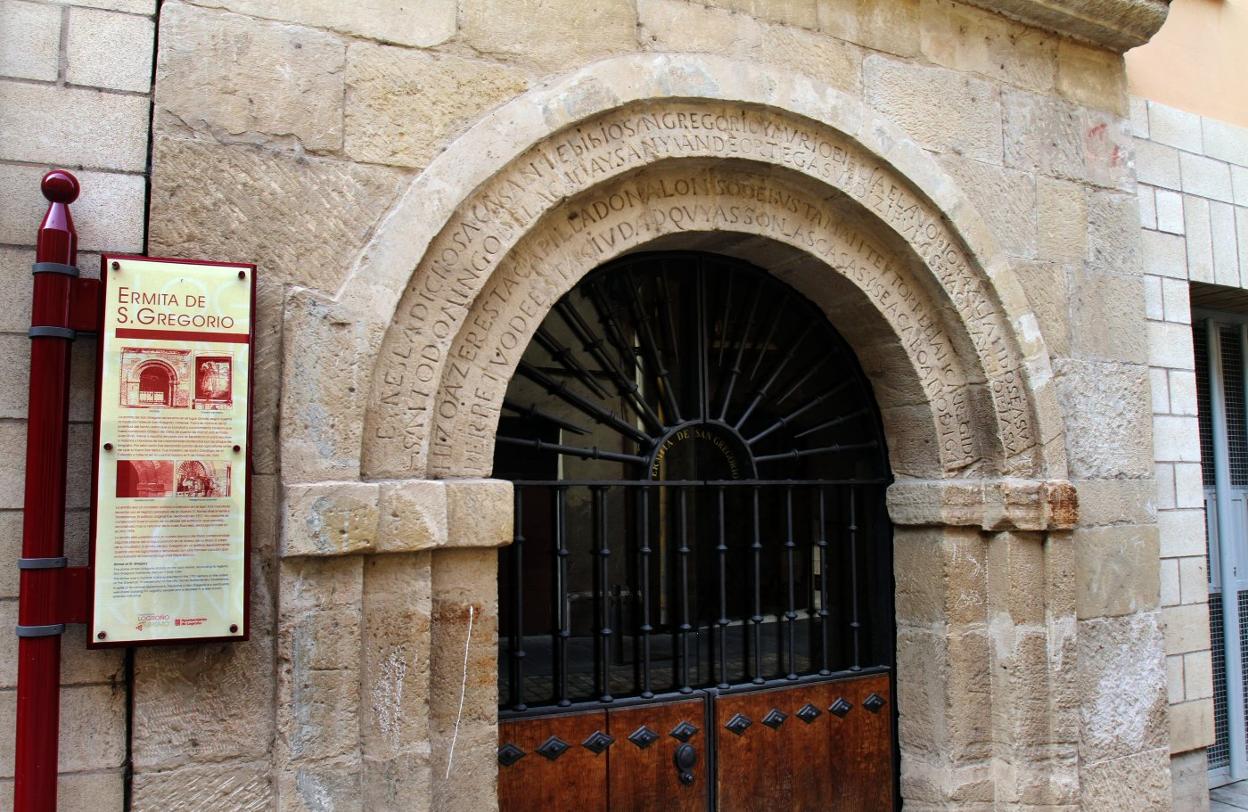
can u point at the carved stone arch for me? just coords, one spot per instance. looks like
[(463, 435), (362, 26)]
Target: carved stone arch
[(396, 380), (621, 115)]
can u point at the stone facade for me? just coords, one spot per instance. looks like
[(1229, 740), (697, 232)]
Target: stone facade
[(75, 88), (1193, 193), (952, 186)]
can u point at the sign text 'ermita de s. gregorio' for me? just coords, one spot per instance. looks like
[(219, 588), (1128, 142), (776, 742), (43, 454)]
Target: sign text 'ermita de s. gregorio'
[(169, 545)]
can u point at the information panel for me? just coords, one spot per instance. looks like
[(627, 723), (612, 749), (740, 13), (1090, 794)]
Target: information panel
[(169, 544)]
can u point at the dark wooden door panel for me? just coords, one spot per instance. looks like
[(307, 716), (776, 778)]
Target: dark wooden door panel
[(645, 777), (807, 761), (574, 780), (861, 745)]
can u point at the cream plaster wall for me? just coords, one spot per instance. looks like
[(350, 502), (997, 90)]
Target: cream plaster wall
[(1196, 62), (75, 92)]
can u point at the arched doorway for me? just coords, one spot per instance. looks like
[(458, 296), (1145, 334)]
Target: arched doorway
[(155, 385), (696, 611)]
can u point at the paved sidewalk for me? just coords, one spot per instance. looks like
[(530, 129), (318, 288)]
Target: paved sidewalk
[(1229, 798)]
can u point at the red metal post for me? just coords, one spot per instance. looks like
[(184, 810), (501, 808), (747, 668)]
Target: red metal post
[(39, 616)]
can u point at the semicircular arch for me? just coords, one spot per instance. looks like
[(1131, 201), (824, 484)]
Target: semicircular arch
[(460, 223)]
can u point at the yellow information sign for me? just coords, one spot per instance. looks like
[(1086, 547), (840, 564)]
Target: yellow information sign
[(169, 545)]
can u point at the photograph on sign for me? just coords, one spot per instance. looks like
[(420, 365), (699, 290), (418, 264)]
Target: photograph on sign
[(169, 519)]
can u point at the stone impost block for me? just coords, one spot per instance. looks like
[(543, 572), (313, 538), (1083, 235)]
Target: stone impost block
[(30, 46), (403, 106), (243, 79), (1007, 504), (1116, 570), (106, 49), (413, 516), (329, 518), (479, 512)]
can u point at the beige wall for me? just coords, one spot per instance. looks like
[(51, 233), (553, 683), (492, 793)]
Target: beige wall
[(1198, 61), (75, 92)]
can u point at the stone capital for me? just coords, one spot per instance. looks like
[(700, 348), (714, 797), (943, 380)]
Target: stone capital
[(997, 504), (1118, 25)]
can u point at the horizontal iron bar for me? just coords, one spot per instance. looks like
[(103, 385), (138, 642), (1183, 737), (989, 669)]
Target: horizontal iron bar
[(687, 483), (668, 696)]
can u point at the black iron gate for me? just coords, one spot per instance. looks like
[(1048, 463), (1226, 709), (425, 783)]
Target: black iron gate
[(699, 509)]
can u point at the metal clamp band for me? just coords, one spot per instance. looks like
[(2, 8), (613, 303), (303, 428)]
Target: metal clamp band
[(42, 563), (54, 267), (52, 332), (40, 631)]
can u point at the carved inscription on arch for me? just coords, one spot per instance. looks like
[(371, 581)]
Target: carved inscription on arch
[(488, 226), (633, 211)]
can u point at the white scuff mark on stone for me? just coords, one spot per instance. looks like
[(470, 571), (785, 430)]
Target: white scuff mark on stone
[(1001, 630), (1129, 685), (1062, 630), (313, 792), (388, 695), (463, 688)]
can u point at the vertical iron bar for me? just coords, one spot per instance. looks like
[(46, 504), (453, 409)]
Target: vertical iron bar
[(517, 627), (563, 618), (602, 595), (856, 621), (682, 555), (722, 550), (822, 544), (757, 576), (703, 384), (790, 553), (643, 501)]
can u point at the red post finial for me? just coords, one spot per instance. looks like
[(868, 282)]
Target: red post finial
[(58, 241), (60, 186)]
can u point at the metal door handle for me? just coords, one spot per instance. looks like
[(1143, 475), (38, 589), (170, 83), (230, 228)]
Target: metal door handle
[(685, 758)]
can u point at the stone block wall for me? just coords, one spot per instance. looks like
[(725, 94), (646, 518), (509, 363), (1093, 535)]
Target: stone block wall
[(75, 92), (1193, 174)]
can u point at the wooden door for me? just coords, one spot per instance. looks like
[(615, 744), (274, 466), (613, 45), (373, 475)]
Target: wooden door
[(645, 776), (820, 746), (813, 746), (553, 763)]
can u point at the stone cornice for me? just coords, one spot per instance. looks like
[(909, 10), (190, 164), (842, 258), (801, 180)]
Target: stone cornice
[(1115, 24)]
